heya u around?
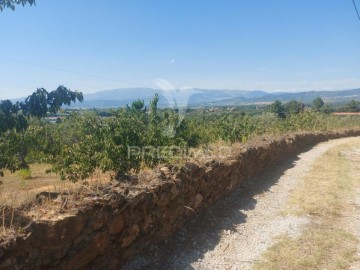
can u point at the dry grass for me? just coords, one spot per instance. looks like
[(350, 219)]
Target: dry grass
[(317, 248), (324, 244), (17, 190), (325, 187)]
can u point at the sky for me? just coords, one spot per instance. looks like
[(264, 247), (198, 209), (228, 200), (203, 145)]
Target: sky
[(271, 45)]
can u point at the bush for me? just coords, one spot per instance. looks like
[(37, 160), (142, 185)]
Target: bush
[(24, 174)]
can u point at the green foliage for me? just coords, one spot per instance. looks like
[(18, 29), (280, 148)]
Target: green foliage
[(327, 109), (41, 102), (24, 174), (137, 106), (12, 3), (62, 96), (352, 106), (319, 106), (122, 143), (124, 140), (278, 109), (236, 129), (283, 110), (294, 107), (10, 117), (17, 137), (15, 147), (79, 155), (318, 103), (36, 104)]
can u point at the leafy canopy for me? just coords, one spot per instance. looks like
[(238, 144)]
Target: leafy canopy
[(294, 107), (318, 103), (353, 106), (17, 137), (282, 110), (38, 104), (278, 109), (12, 3), (41, 102)]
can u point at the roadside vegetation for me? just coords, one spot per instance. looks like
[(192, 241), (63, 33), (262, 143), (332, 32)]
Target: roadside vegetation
[(122, 141)]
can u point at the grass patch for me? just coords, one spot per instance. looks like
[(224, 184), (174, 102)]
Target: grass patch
[(324, 187), (317, 248), (24, 174), (16, 192)]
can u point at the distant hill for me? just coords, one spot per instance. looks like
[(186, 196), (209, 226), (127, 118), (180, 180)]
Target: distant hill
[(206, 97), (306, 97), (340, 96), (184, 97)]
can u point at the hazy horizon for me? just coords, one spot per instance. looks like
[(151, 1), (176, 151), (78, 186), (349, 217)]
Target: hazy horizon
[(154, 88)]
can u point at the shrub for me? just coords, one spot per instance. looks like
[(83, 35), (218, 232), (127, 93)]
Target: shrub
[(24, 174)]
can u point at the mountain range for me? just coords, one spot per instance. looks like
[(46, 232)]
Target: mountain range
[(196, 97), (207, 97)]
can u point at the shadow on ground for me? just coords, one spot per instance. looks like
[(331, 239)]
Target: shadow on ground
[(203, 233)]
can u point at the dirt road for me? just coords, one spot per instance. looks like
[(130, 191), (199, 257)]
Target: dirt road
[(235, 232)]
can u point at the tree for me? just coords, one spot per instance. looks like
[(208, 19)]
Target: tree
[(41, 102), (353, 106), (10, 117), (137, 105), (17, 139), (38, 104), (62, 96), (318, 103), (278, 109), (104, 144), (12, 3), (133, 137), (327, 109), (294, 107)]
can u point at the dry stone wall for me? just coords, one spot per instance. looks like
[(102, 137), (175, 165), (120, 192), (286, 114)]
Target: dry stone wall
[(107, 230)]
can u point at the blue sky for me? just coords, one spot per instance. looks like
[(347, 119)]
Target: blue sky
[(273, 45)]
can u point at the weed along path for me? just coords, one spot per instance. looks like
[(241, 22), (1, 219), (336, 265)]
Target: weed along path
[(302, 214)]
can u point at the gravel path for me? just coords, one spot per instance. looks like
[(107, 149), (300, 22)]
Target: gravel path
[(233, 233), (352, 224), (351, 221)]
